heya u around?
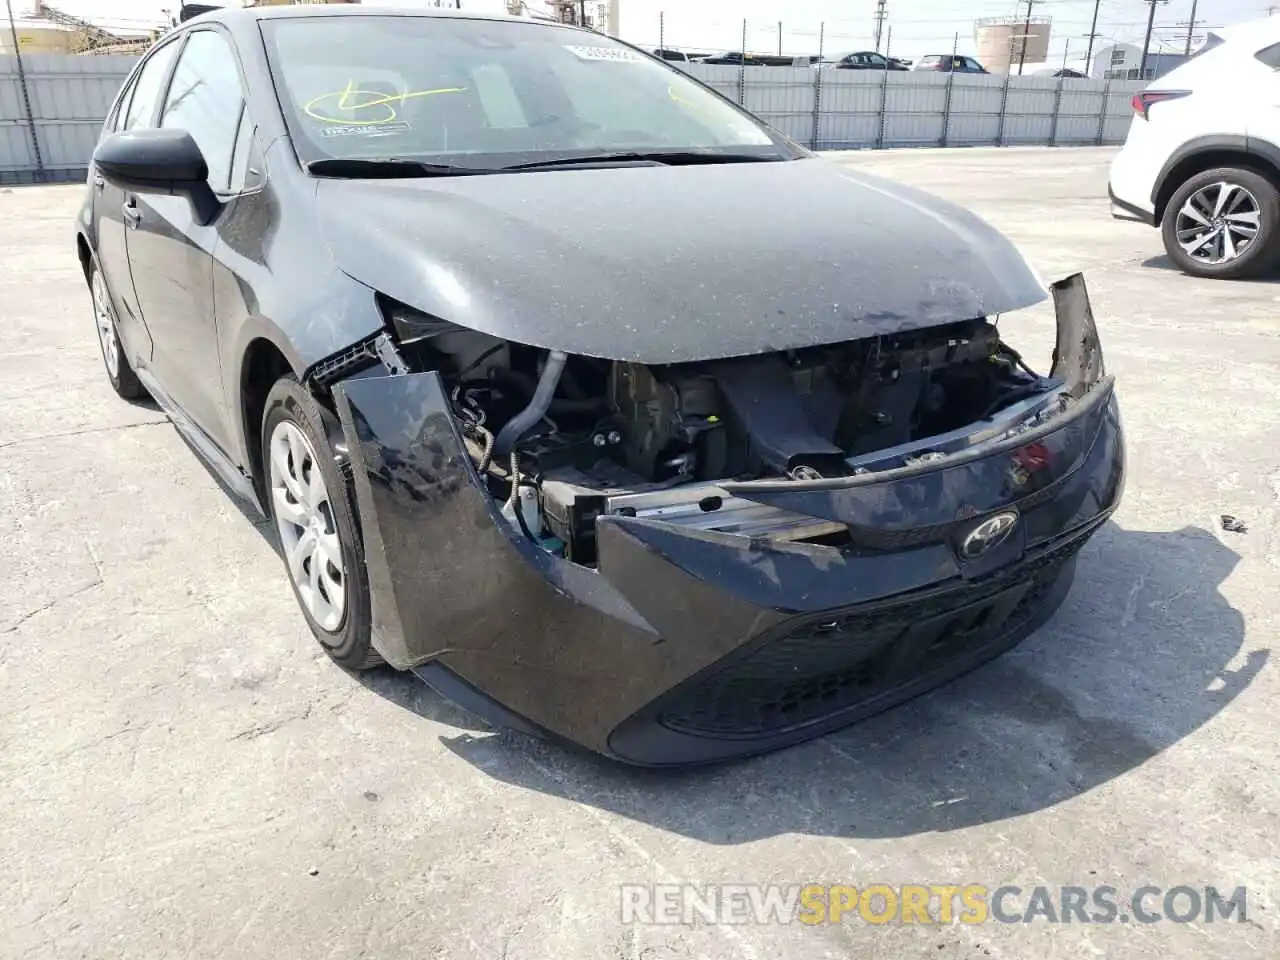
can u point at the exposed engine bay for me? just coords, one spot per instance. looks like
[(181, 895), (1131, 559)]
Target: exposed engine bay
[(562, 439)]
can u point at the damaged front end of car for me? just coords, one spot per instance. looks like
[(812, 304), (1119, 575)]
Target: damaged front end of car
[(687, 562)]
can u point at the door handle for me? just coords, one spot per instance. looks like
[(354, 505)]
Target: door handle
[(132, 215), (98, 182)]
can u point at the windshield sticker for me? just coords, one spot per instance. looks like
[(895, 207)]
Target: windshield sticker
[(376, 130), (606, 53), (352, 107)]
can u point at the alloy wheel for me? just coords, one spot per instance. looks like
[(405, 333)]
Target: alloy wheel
[(308, 533), (1218, 222), (106, 325)]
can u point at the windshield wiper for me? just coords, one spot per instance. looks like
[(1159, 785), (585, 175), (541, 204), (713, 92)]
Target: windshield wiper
[(673, 158), (387, 168)]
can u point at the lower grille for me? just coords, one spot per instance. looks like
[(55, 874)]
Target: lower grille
[(819, 665)]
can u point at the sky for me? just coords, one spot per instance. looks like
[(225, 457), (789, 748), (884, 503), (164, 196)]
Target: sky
[(919, 26)]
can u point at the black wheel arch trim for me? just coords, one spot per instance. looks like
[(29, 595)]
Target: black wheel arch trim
[(1264, 150)]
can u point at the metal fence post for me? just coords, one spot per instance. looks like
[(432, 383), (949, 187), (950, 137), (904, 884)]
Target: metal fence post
[(1057, 109), (884, 105), (1004, 109), (26, 96), (817, 88), (742, 68), (1102, 112), (951, 79)]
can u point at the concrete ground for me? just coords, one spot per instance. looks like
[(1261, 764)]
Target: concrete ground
[(183, 773)]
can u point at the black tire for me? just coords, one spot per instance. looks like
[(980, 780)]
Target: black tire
[(124, 381), (1258, 257), (350, 644)]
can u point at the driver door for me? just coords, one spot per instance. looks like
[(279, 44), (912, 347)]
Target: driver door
[(171, 253)]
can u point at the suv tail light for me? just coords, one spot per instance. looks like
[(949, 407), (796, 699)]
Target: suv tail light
[(1143, 102)]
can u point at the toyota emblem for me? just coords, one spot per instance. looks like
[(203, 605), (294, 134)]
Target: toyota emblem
[(988, 534)]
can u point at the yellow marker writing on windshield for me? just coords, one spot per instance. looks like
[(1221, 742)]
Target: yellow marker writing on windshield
[(352, 101)]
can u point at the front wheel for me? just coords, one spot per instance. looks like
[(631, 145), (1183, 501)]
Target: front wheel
[(311, 502), (1223, 224)]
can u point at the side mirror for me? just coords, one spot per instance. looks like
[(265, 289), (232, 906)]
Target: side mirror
[(159, 161)]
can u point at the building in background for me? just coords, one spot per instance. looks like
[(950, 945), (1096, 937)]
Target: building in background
[(1004, 42), (602, 15), (39, 36), (1123, 61), (50, 30)]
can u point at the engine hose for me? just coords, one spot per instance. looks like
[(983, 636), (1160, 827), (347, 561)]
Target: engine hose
[(528, 418), (570, 405), (514, 495), (513, 500), (487, 458)]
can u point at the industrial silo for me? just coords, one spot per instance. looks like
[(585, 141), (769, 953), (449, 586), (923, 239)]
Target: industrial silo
[(1002, 40)]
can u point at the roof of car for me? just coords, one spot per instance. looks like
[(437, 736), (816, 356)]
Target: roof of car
[(307, 10)]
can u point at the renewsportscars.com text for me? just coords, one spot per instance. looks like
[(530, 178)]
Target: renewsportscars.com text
[(814, 904)]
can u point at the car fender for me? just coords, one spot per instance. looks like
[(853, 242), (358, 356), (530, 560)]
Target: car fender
[(1266, 152)]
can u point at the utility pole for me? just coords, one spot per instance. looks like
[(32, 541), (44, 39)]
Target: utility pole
[(1026, 34), (26, 93), (881, 14), (1146, 42), (1093, 35), (779, 38), (1191, 27)]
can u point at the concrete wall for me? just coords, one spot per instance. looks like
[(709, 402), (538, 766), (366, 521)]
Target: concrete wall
[(824, 109)]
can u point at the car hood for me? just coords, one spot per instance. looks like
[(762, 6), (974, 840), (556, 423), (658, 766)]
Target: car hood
[(670, 264)]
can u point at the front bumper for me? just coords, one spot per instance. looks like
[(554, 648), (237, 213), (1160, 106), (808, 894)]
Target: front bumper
[(689, 646)]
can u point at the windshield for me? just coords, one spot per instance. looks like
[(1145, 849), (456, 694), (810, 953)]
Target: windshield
[(489, 94)]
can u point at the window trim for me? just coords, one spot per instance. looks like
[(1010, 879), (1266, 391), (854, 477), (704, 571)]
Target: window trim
[(245, 102), (124, 96), (163, 91)]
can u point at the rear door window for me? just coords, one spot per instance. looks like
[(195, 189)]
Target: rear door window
[(149, 88)]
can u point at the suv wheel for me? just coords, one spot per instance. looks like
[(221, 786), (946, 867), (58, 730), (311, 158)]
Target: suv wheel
[(311, 501), (123, 380), (1222, 223)]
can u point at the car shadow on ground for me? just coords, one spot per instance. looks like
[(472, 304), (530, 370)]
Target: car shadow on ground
[(1163, 262), (1143, 653)]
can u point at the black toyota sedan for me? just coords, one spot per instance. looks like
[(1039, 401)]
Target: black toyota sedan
[(570, 386)]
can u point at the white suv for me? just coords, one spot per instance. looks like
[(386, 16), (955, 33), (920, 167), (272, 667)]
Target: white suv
[(1202, 159)]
